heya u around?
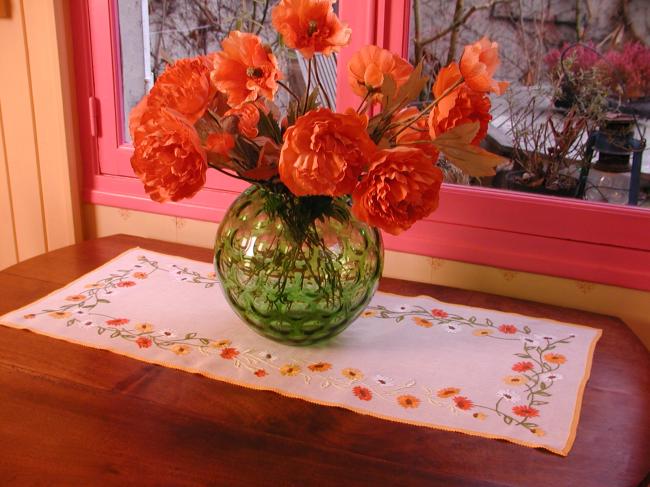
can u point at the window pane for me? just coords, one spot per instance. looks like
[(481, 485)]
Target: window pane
[(154, 33), (544, 131)]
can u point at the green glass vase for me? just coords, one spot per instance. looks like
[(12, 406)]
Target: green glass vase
[(296, 284)]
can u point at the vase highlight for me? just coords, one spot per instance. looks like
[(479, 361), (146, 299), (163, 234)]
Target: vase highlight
[(297, 288)]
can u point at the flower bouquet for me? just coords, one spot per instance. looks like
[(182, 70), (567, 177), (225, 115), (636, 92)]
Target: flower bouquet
[(299, 254)]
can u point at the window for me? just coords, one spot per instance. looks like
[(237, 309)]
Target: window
[(575, 239)]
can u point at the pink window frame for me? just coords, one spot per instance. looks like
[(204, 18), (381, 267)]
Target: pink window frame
[(566, 238)]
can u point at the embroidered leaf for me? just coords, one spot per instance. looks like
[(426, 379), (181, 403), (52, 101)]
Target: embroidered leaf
[(472, 319), (100, 330), (115, 334), (190, 336), (399, 318), (489, 322), (542, 386), (507, 419), (103, 301), (539, 403), (204, 341), (326, 383), (456, 145), (526, 329), (542, 393), (523, 355)]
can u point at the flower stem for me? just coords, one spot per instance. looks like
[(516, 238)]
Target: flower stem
[(321, 87)]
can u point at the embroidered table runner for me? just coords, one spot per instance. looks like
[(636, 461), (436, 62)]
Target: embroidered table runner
[(411, 360)]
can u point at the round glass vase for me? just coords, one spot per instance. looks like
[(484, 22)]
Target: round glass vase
[(297, 290)]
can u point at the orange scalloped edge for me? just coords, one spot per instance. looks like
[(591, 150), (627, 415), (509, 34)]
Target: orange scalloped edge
[(563, 452)]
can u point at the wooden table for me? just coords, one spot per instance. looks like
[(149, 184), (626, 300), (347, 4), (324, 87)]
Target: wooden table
[(71, 415)]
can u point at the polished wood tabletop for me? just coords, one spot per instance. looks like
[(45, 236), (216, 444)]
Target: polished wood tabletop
[(71, 415)]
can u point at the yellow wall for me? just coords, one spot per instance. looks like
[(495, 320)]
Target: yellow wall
[(39, 209), (630, 305)]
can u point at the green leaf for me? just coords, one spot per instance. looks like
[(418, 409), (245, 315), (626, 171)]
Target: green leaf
[(190, 336), (523, 355), (399, 318), (408, 91), (542, 386), (542, 393), (268, 127), (527, 330), (539, 403), (204, 341), (103, 301), (115, 334)]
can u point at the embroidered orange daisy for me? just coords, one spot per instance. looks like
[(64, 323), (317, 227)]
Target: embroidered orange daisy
[(180, 349), (117, 322), (144, 327), (515, 380), (447, 392), (140, 275), (525, 411), (368, 313), (211, 275), (229, 353), (482, 333), (523, 366), (220, 344), (508, 329), (538, 431), (59, 315), (125, 284), (29, 316), (555, 358), (408, 401), (76, 298), (362, 393), (260, 373), (479, 416), (290, 369), (143, 342), (354, 374), (463, 403), (422, 322), (319, 367), (438, 313)]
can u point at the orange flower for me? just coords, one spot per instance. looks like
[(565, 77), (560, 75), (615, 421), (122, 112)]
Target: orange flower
[(401, 186), (248, 116), (422, 322), (416, 133), (368, 67), (184, 87), (462, 105), (260, 373), (463, 403), (319, 367), (362, 393), (125, 284), (447, 392), (439, 313), (245, 69), (168, 156), (555, 358), (407, 401), (140, 275), (219, 143), (117, 322), (76, 297), (525, 411), (325, 152), (523, 366), (229, 353), (310, 26), (143, 342), (479, 63), (508, 329)]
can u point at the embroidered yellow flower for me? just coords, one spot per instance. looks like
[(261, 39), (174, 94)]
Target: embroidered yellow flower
[(180, 349), (290, 369), (59, 315), (140, 275), (407, 401), (515, 380), (319, 367), (368, 313), (538, 431), (481, 332), (354, 374), (447, 392), (144, 327), (555, 358), (76, 298), (479, 416), (94, 285), (422, 322), (220, 344)]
